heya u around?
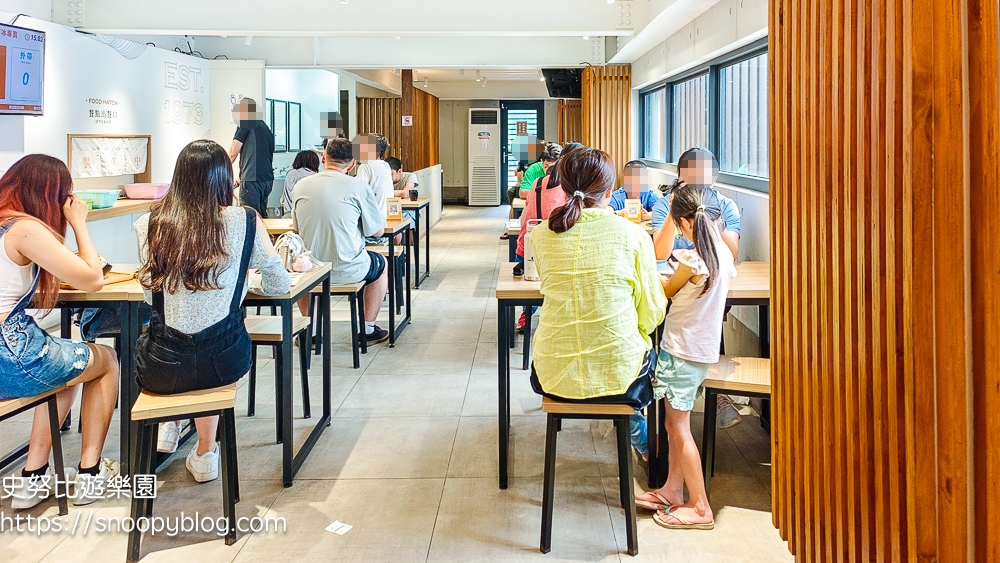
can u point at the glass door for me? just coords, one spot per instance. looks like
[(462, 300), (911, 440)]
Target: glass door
[(528, 116)]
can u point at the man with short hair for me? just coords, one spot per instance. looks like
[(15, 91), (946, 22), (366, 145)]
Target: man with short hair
[(333, 213), (549, 155), (254, 145), (403, 182)]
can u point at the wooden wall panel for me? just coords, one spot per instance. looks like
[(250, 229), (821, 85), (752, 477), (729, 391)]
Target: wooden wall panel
[(382, 116), (606, 110), (884, 181), (385, 116), (570, 124)]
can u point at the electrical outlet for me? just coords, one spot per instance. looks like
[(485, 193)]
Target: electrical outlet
[(68, 12)]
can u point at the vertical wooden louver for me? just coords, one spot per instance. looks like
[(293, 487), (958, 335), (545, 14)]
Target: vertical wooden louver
[(885, 250), (570, 126), (606, 110), (385, 116)]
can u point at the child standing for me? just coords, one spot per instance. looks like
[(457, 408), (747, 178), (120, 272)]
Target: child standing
[(691, 340)]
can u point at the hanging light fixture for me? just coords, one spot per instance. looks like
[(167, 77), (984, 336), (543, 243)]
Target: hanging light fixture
[(478, 77)]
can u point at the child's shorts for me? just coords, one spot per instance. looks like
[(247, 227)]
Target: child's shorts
[(680, 381)]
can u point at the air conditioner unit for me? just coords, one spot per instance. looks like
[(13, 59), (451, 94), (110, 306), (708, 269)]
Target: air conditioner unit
[(484, 156)]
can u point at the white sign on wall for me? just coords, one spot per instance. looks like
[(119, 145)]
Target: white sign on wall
[(407, 121), (138, 90)]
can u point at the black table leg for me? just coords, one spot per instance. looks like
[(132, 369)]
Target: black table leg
[(391, 266), (285, 401), (416, 245), (527, 339), (708, 436), (503, 391), (324, 301), (427, 242), (129, 392)]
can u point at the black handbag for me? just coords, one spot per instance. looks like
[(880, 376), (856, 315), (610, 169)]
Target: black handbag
[(169, 361)]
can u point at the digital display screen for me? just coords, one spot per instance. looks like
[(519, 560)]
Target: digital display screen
[(22, 57)]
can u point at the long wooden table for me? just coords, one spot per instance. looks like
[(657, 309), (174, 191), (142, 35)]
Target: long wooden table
[(128, 298), (417, 207), (752, 287), (121, 208)]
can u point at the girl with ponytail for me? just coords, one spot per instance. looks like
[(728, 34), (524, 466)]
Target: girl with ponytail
[(603, 296), (691, 339)]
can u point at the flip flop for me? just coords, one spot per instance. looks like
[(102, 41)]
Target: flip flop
[(662, 505), (684, 524), (504, 236)]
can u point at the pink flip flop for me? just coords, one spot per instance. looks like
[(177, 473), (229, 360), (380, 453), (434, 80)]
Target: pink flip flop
[(684, 524)]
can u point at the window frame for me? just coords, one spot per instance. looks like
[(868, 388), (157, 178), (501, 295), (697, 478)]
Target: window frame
[(712, 67)]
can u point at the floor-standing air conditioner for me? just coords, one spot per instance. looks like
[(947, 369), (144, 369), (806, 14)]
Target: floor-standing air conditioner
[(484, 156)]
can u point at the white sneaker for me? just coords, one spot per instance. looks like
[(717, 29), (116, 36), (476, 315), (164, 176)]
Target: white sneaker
[(29, 492), (91, 488), (204, 468), (167, 437)]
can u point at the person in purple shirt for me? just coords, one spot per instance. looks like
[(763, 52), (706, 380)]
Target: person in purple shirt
[(635, 177)]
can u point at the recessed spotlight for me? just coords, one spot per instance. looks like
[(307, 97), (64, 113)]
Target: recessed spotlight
[(344, 1), (425, 83), (586, 38), (611, 1), (248, 40)]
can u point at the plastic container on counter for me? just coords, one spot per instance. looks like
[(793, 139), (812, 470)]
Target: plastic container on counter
[(98, 199), (145, 191)]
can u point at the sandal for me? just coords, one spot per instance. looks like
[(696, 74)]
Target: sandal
[(504, 236), (654, 506), (684, 524)]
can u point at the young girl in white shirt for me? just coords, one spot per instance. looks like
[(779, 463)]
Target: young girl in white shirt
[(691, 340)]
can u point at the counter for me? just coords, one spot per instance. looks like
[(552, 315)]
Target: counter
[(121, 208)]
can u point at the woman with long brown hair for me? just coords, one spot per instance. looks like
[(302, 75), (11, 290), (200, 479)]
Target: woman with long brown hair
[(195, 250), (36, 205), (603, 295)]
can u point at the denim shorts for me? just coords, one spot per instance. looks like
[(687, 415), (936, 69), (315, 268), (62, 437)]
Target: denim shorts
[(33, 362), (375, 269), (679, 380)]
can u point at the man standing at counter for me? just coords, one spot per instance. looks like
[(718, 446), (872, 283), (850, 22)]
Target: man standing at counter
[(254, 144)]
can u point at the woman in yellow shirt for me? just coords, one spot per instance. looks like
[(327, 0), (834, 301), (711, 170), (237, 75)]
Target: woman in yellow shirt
[(603, 295)]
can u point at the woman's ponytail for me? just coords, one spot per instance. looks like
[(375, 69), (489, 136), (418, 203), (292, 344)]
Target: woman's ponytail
[(586, 174), (565, 217), (704, 243)]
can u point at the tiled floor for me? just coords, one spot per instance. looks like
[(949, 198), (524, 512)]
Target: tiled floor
[(410, 457)]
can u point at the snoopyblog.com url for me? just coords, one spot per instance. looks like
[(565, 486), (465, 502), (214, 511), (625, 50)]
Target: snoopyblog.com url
[(83, 524)]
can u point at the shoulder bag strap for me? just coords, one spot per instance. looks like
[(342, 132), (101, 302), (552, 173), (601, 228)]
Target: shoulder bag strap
[(538, 198), (157, 295), (248, 241)]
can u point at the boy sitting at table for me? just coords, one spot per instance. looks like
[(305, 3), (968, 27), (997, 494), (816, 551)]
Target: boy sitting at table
[(635, 178)]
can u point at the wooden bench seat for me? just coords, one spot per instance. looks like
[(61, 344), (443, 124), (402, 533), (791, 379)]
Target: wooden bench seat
[(343, 289), (151, 406), (13, 407), (268, 329), (384, 250), (743, 377), (562, 407)]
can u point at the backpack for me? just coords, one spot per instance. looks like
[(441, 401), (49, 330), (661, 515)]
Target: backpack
[(293, 253)]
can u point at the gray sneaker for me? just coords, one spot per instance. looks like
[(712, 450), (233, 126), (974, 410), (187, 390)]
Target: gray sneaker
[(29, 492), (91, 488), (727, 415)]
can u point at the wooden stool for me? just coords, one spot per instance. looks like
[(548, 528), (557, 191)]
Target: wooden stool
[(14, 407), (743, 377), (620, 414), (267, 331), (355, 296), (149, 411)]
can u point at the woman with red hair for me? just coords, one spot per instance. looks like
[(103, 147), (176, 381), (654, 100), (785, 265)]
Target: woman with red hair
[(36, 205)]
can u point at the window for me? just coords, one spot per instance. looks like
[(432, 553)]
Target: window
[(689, 115), (743, 117), (654, 119), (720, 105)]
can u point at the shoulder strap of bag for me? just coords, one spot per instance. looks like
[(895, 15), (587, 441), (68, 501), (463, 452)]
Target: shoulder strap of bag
[(538, 198), (248, 240), (157, 295)]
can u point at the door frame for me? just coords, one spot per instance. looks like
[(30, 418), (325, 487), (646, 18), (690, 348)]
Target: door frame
[(505, 105)]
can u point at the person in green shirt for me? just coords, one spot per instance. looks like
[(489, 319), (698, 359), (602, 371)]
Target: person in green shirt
[(603, 295), (550, 154)]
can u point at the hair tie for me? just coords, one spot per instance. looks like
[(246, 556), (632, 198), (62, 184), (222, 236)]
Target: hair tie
[(579, 194), (701, 208)]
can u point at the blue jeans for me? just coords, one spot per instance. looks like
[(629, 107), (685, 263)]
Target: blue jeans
[(638, 429)]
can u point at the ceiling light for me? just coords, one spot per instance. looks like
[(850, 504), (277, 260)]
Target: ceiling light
[(484, 82), (248, 40), (478, 77), (398, 38), (461, 72), (425, 83), (611, 1), (541, 76), (586, 38), (344, 1)]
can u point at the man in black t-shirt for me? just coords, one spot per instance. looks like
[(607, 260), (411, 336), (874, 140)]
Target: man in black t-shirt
[(254, 144)]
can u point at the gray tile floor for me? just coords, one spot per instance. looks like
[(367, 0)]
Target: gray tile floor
[(410, 457)]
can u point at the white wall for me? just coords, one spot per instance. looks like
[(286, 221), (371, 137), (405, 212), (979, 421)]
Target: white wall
[(317, 90), (38, 9), (229, 80)]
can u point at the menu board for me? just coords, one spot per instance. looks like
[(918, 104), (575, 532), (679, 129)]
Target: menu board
[(22, 56)]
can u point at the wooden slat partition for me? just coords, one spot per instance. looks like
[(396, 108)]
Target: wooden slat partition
[(606, 110), (885, 136), (570, 122), (382, 116), (426, 130)]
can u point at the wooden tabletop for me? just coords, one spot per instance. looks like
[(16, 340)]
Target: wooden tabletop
[(740, 374), (120, 208), (752, 281), (514, 227), (419, 204), (393, 227), (132, 290), (278, 226), (518, 203)]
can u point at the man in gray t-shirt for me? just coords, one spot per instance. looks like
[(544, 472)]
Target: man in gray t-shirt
[(333, 213)]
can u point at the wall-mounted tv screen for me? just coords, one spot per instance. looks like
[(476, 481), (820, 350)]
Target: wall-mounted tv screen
[(22, 58)]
